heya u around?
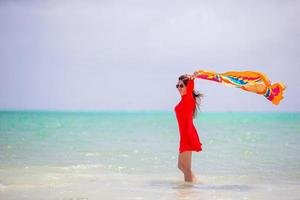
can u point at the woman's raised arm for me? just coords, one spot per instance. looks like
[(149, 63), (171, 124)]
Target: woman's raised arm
[(190, 86)]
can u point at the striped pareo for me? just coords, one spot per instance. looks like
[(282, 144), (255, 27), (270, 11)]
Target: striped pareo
[(251, 81)]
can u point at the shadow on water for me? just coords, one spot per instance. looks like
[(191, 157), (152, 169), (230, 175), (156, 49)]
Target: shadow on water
[(200, 186), (241, 188)]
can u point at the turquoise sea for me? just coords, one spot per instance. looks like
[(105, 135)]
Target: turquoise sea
[(133, 155)]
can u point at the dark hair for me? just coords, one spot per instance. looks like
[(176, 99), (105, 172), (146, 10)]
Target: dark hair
[(196, 94)]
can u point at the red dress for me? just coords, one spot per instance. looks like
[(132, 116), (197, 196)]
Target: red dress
[(189, 139)]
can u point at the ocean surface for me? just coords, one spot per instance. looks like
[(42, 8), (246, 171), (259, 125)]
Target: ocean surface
[(133, 155)]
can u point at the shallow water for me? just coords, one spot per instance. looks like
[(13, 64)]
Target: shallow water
[(123, 155)]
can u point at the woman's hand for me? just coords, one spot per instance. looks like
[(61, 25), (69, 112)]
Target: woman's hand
[(190, 77), (196, 73)]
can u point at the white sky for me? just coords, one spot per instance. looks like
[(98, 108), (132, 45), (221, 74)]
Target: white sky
[(127, 55)]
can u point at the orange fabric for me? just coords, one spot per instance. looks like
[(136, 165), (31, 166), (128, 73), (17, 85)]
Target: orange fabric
[(189, 139), (251, 81)]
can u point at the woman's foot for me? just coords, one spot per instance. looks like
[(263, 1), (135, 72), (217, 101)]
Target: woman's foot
[(195, 178)]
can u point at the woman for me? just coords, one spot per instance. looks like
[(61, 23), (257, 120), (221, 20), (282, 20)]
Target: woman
[(185, 112)]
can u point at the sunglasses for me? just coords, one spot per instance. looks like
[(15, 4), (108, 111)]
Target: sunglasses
[(181, 85)]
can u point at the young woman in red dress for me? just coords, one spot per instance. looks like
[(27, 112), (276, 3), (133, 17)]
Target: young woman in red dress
[(185, 112)]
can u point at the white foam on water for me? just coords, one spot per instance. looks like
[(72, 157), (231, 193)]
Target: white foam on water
[(2, 187), (81, 166), (92, 154)]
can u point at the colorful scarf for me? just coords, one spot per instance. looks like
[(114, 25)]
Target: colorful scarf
[(251, 81)]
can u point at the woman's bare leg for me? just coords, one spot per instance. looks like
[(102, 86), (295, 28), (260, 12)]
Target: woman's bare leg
[(185, 165)]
